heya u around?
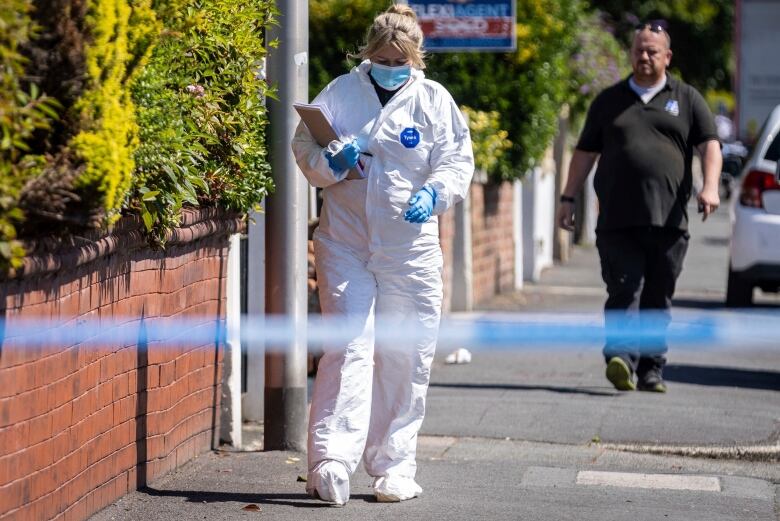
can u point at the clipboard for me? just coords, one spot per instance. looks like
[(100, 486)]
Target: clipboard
[(318, 120)]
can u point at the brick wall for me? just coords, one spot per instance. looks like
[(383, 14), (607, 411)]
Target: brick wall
[(446, 238), (493, 247), (84, 422), (492, 238)]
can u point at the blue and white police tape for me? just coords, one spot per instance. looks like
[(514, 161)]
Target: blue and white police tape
[(507, 331)]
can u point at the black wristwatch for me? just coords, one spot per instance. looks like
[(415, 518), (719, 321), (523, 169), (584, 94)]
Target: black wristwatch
[(567, 199)]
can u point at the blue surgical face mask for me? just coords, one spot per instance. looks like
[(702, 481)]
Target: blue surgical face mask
[(390, 78)]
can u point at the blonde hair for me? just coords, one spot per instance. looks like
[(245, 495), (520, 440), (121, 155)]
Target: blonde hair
[(398, 27)]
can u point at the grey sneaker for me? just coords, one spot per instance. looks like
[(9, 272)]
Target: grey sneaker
[(619, 374), (651, 381)]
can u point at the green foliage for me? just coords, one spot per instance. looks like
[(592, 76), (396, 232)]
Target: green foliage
[(599, 62), (526, 88), (23, 111), (489, 141), (337, 28), (701, 30), (201, 111), (109, 133), (720, 98), (151, 105)]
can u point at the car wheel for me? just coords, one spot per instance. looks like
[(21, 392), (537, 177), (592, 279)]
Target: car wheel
[(739, 292)]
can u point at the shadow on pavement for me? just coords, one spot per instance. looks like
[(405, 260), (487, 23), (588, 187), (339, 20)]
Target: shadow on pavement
[(697, 304), (717, 304), (516, 387), (716, 241), (722, 377), (293, 500)]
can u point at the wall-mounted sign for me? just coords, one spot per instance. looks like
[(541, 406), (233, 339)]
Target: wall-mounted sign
[(467, 25)]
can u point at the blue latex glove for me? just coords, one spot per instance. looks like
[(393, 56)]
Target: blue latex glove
[(421, 205), (345, 158)]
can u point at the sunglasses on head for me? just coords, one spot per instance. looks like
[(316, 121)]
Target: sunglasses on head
[(657, 26)]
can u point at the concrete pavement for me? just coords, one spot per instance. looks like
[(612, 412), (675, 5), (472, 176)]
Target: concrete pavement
[(538, 434)]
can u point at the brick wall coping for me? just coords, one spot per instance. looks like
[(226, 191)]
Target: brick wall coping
[(51, 254)]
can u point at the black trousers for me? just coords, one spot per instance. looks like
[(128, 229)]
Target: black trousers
[(640, 267)]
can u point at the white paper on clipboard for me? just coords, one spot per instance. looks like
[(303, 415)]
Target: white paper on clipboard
[(318, 120)]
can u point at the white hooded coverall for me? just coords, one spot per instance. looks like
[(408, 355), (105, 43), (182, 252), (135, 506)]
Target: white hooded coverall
[(371, 262)]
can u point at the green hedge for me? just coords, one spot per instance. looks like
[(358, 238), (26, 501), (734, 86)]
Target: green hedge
[(23, 112), (201, 111), (147, 105)]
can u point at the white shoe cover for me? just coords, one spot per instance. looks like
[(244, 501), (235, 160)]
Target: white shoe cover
[(394, 489), (329, 481)]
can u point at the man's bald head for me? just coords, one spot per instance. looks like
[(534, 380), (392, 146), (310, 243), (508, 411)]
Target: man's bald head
[(650, 55), (656, 29)]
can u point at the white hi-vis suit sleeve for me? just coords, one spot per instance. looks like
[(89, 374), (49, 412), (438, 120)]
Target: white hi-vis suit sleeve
[(452, 158), (310, 156)]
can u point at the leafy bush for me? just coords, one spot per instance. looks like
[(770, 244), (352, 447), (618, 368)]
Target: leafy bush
[(527, 87), (600, 61), (23, 111), (489, 141), (150, 105), (201, 111), (336, 28), (702, 35), (109, 133), (720, 99)]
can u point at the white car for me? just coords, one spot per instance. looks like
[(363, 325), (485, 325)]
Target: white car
[(755, 220)]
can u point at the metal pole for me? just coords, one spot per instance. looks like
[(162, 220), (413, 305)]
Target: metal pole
[(230, 426), (462, 276), (561, 238), (286, 234), (517, 231), (255, 310)]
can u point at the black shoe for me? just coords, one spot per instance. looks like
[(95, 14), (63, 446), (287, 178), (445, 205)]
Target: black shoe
[(619, 374), (651, 381)]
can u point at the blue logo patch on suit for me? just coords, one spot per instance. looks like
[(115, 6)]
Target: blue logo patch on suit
[(409, 137)]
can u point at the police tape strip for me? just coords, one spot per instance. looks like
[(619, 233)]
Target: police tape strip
[(507, 331)]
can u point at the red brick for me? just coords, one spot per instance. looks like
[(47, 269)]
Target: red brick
[(26, 463), (120, 386), (127, 409), (77, 511), (155, 447), (14, 380), (105, 394), (63, 391), (8, 468), (84, 405), (72, 464), (107, 368), (167, 374), (182, 367), (40, 429), (60, 446), (126, 459), (14, 495), (41, 483), (132, 381)]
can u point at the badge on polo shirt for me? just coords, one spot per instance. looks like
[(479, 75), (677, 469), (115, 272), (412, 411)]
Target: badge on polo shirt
[(672, 107)]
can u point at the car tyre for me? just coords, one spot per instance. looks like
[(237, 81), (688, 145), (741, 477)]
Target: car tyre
[(739, 292)]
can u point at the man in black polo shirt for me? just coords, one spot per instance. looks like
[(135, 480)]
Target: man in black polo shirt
[(643, 130)]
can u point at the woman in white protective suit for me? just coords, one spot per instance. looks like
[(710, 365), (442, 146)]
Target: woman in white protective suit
[(378, 255)]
